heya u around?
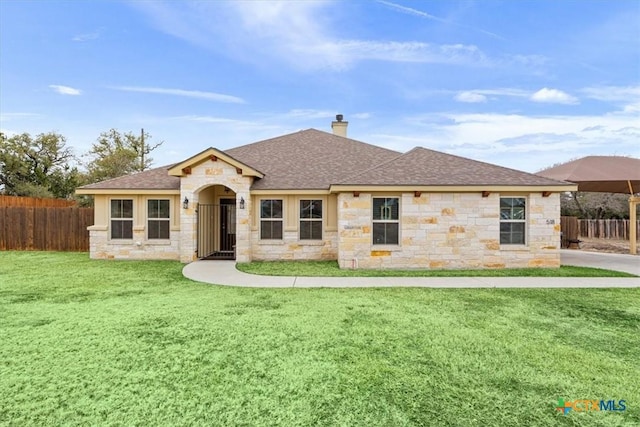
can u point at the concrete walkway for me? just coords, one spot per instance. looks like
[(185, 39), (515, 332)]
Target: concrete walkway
[(225, 273)]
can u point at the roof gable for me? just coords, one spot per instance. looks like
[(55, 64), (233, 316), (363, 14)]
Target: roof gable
[(180, 169), (308, 159)]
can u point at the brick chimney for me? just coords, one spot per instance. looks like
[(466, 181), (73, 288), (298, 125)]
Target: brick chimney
[(339, 127)]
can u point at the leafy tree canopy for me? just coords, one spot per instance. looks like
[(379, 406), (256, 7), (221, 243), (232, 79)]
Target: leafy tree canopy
[(590, 205), (115, 154), (37, 166)]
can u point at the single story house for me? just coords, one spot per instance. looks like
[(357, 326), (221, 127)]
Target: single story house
[(313, 195)]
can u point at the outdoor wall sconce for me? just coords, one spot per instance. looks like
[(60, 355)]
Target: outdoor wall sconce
[(241, 202), (185, 203)]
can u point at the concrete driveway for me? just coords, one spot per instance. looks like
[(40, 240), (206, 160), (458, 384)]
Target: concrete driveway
[(618, 262)]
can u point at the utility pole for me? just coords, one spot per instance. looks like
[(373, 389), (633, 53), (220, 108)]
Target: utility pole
[(142, 149)]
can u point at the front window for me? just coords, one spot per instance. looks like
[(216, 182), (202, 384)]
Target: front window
[(122, 219), (271, 219), (386, 220), (310, 219), (157, 219), (512, 220)]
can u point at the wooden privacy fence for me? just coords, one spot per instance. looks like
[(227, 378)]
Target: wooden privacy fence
[(35, 202), (570, 230), (45, 228), (606, 228)]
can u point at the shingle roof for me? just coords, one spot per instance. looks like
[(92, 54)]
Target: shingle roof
[(152, 179), (314, 160), (421, 166), (309, 159)]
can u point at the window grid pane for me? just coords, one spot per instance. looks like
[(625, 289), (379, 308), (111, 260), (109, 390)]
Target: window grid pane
[(270, 230), (310, 219), (512, 221), (122, 219), (271, 209), (386, 223)]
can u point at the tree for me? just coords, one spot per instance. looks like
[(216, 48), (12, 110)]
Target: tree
[(37, 167), (115, 154), (590, 205)]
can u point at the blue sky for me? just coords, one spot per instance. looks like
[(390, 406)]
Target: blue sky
[(524, 84)]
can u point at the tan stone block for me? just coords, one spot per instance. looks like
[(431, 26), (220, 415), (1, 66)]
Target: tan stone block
[(491, 244), (409, 220), (544, 263), (366, 229), (494, 265), (429, 220), (448, 212), (437, 264), (213, 171), (380, 253), (456, 229), (422, 200), (407, 241), (556, 227)]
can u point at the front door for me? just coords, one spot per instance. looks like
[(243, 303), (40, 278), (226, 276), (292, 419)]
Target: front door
[(228, 226)]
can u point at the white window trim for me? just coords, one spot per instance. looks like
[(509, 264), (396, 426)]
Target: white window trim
[(525, 221), (133, 213), (260, 219), (387, 246), (321, 220), (146, 203)]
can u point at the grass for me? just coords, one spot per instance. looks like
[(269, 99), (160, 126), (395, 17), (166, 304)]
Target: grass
[(331, 269), (135, 343)]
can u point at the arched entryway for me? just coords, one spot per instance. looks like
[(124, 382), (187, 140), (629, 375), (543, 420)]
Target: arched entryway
[(216, 223)]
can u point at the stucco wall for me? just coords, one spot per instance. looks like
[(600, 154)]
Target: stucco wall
[(291, 247), (448, 230), (101, 246)]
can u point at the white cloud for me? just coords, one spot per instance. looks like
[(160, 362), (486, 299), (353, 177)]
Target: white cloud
[(211, 96), (86, 37), (308, 113), (470, 97), (65, 90), (5, 117), (300, 34), (554, 96), (422, 14), (361, 116), (523, 142), (629, 94)]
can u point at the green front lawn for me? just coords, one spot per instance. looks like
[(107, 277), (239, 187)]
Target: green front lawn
[(331, 269), (134, 343)]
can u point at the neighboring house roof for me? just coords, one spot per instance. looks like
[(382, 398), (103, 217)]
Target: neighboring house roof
[(308, 159), (421, 166), (610, 174), (152, 179)]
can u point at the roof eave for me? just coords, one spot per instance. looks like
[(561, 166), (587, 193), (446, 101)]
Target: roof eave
[(555, 188), (213, 153), (128, 191)]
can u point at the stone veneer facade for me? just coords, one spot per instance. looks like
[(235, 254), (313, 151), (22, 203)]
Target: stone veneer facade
[(101, 246), (292, 248), (449, 231), (437, 230), (201, 177)]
